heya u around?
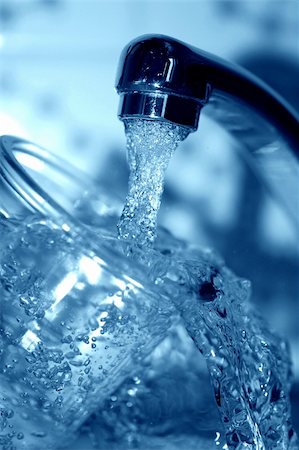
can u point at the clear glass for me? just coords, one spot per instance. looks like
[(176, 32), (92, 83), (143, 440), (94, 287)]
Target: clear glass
[(70, 301), (74, 326), (76, 316)]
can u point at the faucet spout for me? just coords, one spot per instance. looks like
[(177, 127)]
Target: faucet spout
[(161, 78)]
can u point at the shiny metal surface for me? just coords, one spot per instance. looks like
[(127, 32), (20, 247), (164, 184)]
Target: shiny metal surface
[(154, 105)]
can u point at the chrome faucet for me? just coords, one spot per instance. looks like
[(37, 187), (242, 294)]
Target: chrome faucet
[(161, 78)]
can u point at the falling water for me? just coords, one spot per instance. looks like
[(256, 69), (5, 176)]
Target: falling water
[(250, 375), (150, 145), (249, 366)]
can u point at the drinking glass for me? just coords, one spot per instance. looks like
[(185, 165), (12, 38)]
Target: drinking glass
[(76, 316)]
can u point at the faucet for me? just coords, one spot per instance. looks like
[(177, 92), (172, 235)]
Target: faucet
[(161, 78)]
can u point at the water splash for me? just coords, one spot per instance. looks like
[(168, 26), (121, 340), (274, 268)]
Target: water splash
[(247, 365), (252, 381), (150, 145)]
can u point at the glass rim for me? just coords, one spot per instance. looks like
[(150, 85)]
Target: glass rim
[(23, 184)]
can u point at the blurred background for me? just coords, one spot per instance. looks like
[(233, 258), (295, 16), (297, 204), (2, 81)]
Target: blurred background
[(58, 61)]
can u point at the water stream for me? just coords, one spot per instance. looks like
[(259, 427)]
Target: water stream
[(58, 359), (150, 145), (249, 365)]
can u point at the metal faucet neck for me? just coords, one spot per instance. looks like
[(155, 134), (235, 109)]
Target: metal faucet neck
[(160, 78)]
